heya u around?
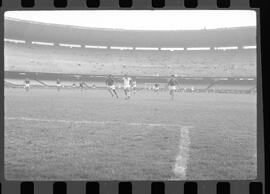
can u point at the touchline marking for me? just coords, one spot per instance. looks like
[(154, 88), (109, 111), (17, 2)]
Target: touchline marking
[(182, 158), (93, 122)]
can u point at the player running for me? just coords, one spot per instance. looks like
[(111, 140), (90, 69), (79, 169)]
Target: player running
[(192, 89), (27, 84), (73, 85), (172, 86), (133, 86), (127, 81), (58, 84), (81, 85), (111, 86), (156, 88)]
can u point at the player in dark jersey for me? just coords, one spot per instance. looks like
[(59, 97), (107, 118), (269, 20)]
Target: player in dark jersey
[(156, 88), (172, 86), (27, 84), (58, 84), (111, 86), (73, 85), (81, 85)]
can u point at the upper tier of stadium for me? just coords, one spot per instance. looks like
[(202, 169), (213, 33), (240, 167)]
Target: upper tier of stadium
[(79, 50), (35, 31)]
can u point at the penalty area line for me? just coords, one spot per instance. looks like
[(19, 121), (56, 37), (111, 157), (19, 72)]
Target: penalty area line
[(180, 166), (93, 122)]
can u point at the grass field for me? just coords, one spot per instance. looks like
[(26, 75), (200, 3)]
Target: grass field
[(52, 135)]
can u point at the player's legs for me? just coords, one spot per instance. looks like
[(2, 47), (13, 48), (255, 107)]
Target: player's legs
[(58, 87), (134, 89), (128, 93), (114, 91), (110, 90), (126, 90), (172, 95), (27, 86), (172, 91)]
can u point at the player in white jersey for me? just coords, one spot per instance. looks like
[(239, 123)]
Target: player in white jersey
[(58, 84), (192, 89), (27, 84), (127, 86)]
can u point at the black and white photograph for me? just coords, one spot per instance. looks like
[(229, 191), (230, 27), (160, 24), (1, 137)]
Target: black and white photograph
[(130, 95)]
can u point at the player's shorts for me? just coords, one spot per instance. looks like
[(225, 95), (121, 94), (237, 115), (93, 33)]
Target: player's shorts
[(156, 88), (27, 85), (126, 87), (59, 85), (172, 87), (112, 87)]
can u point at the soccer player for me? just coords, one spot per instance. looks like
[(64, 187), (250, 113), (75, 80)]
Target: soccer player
[(81, 85), (172, 86), (73, 85), (111, 86), (192, 89), (119, 86), (126, 86), (27, 84), (58, 84), (133, 86), (156, 88)]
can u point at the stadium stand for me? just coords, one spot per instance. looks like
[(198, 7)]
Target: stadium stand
[(73, 63), (56, 59)]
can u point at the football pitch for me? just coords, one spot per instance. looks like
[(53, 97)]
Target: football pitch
[(89, 135)]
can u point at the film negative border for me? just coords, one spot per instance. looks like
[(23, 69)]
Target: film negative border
[(144, 187), (132, 187), (130, 4)]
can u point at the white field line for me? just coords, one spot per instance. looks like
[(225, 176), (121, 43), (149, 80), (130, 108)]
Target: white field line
[(182, 158), (92, 122)]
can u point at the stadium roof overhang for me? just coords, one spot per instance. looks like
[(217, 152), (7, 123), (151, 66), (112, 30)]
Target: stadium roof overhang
[(32, 31)]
